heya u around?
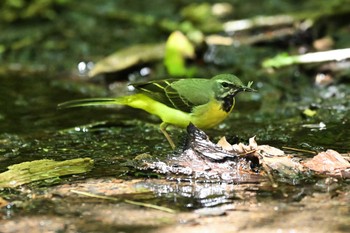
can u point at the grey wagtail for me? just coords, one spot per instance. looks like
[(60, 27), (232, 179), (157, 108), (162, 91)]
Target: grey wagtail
[(203, 102)]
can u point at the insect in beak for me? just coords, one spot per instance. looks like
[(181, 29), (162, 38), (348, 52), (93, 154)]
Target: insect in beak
[(248, 88)]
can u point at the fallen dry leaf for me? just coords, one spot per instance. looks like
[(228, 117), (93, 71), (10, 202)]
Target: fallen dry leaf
[(3, 202), (224, 144), (329, 162)]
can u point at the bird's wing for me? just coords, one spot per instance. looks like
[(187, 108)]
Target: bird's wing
[(182, 94), (156, 90), (177, 100), (196, 91)]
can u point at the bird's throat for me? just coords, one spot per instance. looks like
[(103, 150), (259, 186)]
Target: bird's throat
[(228, 103)]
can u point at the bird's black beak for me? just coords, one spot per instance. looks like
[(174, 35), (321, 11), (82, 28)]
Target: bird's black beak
[(243, 89)]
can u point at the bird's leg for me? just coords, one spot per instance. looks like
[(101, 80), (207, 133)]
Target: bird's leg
[(167, 136)]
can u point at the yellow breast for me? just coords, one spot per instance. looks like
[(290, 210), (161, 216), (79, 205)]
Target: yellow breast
[(209, 115)]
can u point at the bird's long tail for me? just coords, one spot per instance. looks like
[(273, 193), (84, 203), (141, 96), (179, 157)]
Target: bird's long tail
[(94, 102)]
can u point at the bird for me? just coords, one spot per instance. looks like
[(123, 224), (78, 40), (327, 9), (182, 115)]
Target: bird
[(179, 102)]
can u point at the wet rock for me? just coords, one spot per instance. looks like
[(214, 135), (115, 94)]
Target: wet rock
[(202, 160)]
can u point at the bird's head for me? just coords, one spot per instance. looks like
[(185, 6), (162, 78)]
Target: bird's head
[(228, 85)]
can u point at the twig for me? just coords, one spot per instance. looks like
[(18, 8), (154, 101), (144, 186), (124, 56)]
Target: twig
[(259, 21), (124, 200), (286, 60), (300, 150)]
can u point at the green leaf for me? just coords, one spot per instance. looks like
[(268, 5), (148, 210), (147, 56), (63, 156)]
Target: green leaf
[(177, 49), (128, 57)]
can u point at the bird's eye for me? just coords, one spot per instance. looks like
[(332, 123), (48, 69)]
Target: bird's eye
[(225, 84)]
